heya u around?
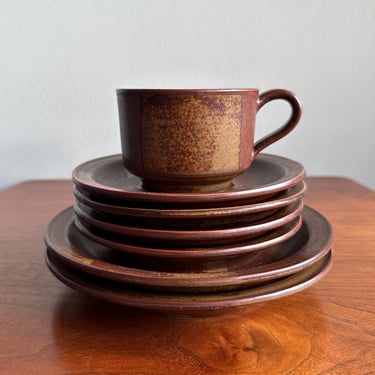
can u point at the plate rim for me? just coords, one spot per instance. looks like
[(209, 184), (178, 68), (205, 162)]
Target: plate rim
[(290, 179), (195, 213), (280, 217)]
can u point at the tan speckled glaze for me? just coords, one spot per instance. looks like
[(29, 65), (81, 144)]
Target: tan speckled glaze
[(173, 135), (193, 140)]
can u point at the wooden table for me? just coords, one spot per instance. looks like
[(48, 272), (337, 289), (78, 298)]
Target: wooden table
[(47, 328)]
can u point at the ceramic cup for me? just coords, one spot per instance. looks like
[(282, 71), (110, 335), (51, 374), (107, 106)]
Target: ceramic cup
[(194, 140)]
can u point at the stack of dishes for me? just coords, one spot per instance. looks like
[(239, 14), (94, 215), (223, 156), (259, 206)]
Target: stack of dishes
[(189, 253)]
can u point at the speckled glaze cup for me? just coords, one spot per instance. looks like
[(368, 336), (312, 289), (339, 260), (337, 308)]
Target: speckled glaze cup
[(194, 140)]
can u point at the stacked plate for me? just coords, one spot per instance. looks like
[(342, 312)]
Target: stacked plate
[(189, 252)]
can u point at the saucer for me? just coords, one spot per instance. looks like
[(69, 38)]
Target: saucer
[(186, 304), (190, 256), (192, 237), (203, 216), (107, 178), (300, 251)]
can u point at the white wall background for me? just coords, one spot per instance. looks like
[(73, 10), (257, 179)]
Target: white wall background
[(61, 61)]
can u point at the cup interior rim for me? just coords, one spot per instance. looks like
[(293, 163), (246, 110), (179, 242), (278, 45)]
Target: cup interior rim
[(185, 91)]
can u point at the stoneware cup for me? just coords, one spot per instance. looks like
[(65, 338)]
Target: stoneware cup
[(191, 140)]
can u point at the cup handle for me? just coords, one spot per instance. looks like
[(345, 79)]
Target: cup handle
[(286, 128)]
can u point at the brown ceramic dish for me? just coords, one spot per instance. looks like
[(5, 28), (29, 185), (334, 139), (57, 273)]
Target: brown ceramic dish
[(191, 237), (187, 304), (188, 258), (211, 217), (181, 224), (186, 224), (306, 247), (269, 174)]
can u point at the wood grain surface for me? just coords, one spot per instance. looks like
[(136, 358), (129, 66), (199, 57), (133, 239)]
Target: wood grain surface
[(47, 328)]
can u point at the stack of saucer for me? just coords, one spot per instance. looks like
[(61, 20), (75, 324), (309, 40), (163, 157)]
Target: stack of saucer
[(189, 253)]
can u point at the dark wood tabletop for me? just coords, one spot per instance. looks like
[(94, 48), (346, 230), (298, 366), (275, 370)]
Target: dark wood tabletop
[(48, 328)]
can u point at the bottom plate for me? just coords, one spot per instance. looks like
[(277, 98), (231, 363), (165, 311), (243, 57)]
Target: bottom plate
[(187, 304)]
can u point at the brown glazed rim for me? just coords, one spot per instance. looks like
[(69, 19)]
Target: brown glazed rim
[(187, 91), (294, 172)]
